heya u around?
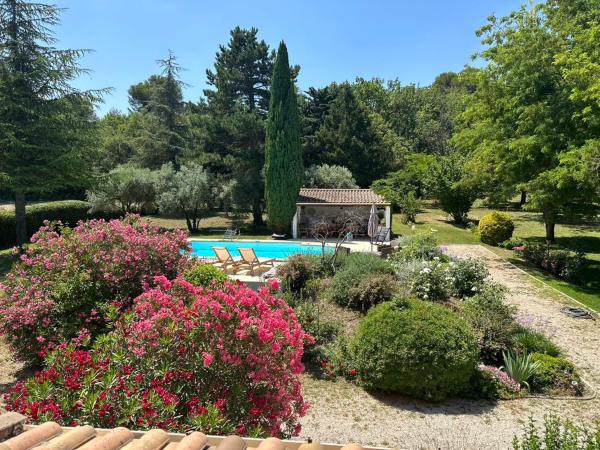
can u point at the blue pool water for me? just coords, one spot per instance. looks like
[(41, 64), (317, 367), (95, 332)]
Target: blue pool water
[(279, 250)]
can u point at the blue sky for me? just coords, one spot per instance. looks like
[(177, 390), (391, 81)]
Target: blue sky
[(332, 40)]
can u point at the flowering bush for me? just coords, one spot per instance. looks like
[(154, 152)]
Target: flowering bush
[(221, 361), (66, 283), (560, 263), (418, 246), (467, 276), (433, 281), (495, 383)]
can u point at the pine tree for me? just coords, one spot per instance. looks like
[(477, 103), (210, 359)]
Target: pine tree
[(283, 156), (161, 132), (44, 122)]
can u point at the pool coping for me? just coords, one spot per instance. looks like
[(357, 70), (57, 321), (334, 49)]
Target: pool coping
[(269, 241)]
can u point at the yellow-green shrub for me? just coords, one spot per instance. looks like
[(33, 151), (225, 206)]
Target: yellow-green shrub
[(495, 227)]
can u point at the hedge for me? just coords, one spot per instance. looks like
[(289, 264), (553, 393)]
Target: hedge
[(67, 211)]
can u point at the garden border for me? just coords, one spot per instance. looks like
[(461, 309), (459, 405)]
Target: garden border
[(587, 308)]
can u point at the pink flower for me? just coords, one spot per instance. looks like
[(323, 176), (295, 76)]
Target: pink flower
[(273, 284), (207, 359)]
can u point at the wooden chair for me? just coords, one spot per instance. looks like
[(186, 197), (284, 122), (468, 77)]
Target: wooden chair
[(224, 259), (251, 261)]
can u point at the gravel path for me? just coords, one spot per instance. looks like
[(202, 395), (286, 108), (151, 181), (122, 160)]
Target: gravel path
[(342, 412)]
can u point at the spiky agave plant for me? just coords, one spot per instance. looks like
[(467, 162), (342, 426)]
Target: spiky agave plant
[(520, 366)]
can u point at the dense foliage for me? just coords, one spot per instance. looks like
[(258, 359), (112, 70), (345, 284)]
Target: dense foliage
[(222, 361), (68, 283), (360, 282), (495, 227), (557, 434), (47, 126), (69, 212), (401, 347), (555, 376), (560, 263), (493, 322), (283, 158), (205, 275), (324, 176)]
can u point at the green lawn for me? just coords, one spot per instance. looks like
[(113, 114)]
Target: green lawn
[(580, 236), (6, 260), (213, 226)]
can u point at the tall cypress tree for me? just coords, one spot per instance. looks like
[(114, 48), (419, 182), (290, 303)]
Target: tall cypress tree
[(283, 156)]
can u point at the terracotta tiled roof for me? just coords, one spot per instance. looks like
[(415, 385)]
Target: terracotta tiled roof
[(14, 435), (340, 196)]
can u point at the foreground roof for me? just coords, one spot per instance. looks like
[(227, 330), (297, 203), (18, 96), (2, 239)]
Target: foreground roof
[(340, 197), (14, 435)]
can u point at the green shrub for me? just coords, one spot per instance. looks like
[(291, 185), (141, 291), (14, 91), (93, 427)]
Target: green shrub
[(409, 207), (205, 275), (323, 330), (355, 269), (69, 212), (414, 348), (432, 281), (520, 366), (554, 375), (493, 322), (367, 262), (297, 271), (467, 277), (419, 246), (557, 435), (495, 227), (512, 243), (371, 290), (560, 263), (528, 341)]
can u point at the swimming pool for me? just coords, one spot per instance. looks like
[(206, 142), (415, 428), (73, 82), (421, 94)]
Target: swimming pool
[(278, 250)]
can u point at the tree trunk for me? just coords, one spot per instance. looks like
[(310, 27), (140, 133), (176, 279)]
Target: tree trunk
[(550, 232), (523, 198), (20, 219), (257, 214)]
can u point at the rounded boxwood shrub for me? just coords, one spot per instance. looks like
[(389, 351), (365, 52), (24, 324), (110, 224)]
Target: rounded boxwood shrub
[(416, 348), (495, 227), (206, 275), (555, 375)]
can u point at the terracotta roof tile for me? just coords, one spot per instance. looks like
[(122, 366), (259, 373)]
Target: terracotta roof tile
[(51, 436), (340, 196)]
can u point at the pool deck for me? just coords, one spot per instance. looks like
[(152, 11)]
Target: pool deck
[(256, 281)]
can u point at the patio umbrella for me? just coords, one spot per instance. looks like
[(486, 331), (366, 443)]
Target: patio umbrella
[(373, 224)]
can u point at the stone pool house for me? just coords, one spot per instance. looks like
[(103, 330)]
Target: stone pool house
[(335, 208)]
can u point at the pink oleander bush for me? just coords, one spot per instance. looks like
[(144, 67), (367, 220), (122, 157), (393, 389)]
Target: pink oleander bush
[(185, 357), (494, 382), (67, 282)]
